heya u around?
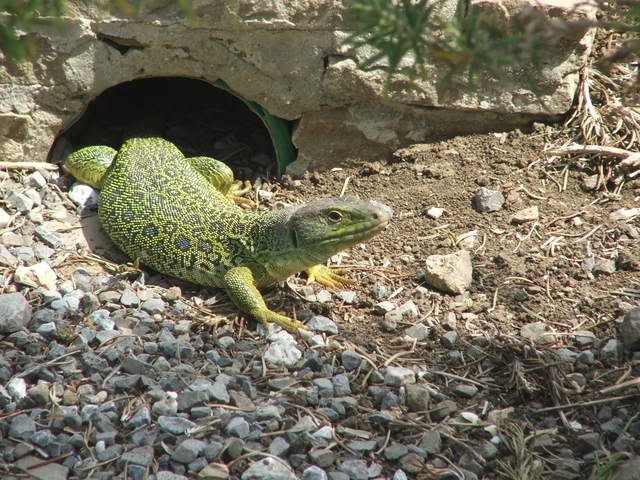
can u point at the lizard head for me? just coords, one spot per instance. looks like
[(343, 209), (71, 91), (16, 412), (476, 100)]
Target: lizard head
[(329, 225)]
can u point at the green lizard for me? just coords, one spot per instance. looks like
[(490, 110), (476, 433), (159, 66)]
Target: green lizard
[(177, 215)]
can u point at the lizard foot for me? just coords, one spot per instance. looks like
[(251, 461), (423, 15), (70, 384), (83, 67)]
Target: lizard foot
[(236, 192), (266, 316), (329, 277)]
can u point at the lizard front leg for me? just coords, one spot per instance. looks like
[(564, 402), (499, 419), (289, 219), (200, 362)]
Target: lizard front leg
[(241, 288)]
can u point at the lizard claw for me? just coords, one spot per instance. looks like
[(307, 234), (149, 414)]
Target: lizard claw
[(329, 277)]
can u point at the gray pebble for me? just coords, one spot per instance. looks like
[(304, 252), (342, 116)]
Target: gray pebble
[(319, 323), (341, 385), (174, 425), (322, 457), (611, 351), (384, 307), (42, 438), (397, 376), (465, 390), (15, 312), (418, 331), (83, 195), (486, 200), (22, 426), (323, 296), (324, 386), (141, 417), (52, 239), (356, 469), (188, 450), (153, 305), (225, 342), (350, 360), (238, 427), (449, 339), (584, 338), (417, 398), (279, 447), (399, 475), (314, 473), (282, 353), (101, 318), (379, 291), (395, 451), (20, 201), (167, 475), (268, 468), (137, 456), (431, 442), (129, 298), (347, 296), (630, 330), (444, 409), (565, 355), (412, 463)]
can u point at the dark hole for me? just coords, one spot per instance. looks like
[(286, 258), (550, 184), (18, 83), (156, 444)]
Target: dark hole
[(196, 116)]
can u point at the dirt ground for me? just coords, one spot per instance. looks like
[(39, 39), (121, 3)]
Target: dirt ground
[(572, 270)]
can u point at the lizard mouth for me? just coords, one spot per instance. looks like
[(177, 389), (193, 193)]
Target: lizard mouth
[(357, 233)]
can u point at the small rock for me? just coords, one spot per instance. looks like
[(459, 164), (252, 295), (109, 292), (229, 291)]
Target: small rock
[(322, 457), (323, 296), (397, 376), (444, 409), (412, 463), (584, 338), (624, 214), (395, 451), (435, 212), (22, 426), (238, 427), (418, 331), (628, 470), (20, 201), (486, 200), (536, 333), (350, 360), (15, 312), (83, 195), (449, 273), (612, 350), (52, 239), (347, 296), (5, 218), (129, 298), (525, 215), (36, 276), (417, 398), (279, 447), (319, 323), (174, 425), (188, 450), (465, 390), (431, 442), (268, 468), (379, 291), (282, 353), (630, 330), (449, 339), (356, 469), (153, 305), (314, 473)]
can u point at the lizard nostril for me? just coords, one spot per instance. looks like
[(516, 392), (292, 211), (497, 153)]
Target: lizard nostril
[(375, 216)]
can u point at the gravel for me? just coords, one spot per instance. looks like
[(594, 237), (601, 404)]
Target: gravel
[(115, 376)]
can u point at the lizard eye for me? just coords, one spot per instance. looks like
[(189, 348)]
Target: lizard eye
[(335, 216)]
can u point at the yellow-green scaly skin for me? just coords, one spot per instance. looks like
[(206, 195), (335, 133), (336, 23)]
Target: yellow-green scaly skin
[(170, 213)]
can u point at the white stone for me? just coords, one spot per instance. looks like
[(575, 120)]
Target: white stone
[(528, 214), (83, 195), (5, 218), (397, 376), (624, 213), (282, 354), (17, 388), (451, 273), (435, 212), (36, 276)]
